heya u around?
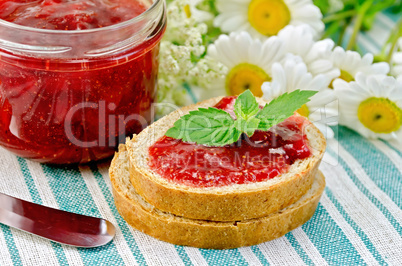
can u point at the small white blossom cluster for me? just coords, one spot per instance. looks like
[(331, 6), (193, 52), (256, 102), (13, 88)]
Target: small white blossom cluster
[(182, 42)]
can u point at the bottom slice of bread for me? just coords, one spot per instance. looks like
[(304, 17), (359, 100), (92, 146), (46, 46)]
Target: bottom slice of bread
[(205, 234)]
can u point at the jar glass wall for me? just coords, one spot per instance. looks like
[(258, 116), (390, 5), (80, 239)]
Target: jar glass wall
[(72, 96)]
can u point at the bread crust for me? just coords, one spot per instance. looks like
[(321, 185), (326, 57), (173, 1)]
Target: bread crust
[(204, 204), (206, 234)]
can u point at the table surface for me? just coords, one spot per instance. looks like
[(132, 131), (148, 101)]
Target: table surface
[(358, 220)]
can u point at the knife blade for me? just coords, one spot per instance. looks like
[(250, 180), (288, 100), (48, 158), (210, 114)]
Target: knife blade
[(56, 225)]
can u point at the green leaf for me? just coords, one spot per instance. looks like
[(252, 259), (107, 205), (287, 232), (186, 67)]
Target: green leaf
[(323, 5), (247, 126), (206, 126), (246, 105), (214, 127), (283, 107)]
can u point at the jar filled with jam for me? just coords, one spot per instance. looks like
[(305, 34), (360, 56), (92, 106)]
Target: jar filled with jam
[(76, 76)]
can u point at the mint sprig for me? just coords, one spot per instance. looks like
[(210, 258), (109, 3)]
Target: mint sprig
[(214, 127)]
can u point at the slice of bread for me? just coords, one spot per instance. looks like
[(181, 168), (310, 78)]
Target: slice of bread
[(206, 234), (227, 203)]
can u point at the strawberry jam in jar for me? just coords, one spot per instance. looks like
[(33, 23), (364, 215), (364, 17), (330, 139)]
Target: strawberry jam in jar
[(76, 76)]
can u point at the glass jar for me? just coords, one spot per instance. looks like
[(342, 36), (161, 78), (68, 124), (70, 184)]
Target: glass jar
[(71, 96)]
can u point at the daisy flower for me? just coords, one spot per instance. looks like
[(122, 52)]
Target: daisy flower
[(193, 12), (350, 63), (397, 60), (300, 41), (262, 18), (371, 105), (292, 75), (248, 61)]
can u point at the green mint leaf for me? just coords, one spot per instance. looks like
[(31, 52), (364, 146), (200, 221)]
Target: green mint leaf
[(246, 105), (252, 126), (214, 127), (282, 107), (209, 126)]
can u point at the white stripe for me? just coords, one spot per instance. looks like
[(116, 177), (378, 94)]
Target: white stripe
[(368, 182), (249, 256), (149, 246), (274, 252), (195, 256), (390, 153), (353, 237), (378, 34), (396, 144), (121, 245), (385, 20), (308, 246), (72, 255), (33, 250), (363, 41), (5, 256), (362, 211)]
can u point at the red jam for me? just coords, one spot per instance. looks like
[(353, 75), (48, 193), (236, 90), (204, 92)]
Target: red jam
[(263, 156), (69, 14), (74, 110)]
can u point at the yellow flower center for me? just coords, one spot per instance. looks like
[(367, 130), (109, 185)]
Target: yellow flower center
[(246, 77), (346, 76), (187, 10), (304, 111), (268, 17), (380, 115)]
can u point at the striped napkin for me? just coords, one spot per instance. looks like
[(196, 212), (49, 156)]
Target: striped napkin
[(358, 220)]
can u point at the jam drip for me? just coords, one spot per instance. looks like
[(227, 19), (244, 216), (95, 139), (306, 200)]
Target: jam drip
[(265, 155)]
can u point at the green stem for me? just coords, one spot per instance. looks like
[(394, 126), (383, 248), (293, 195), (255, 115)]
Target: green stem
[(339, 16), (358, 23), (396, 34)]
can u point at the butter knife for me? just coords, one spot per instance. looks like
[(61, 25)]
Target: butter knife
[(56, 225)]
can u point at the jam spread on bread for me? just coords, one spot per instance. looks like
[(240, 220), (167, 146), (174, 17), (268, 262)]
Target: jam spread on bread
[(263, 156)]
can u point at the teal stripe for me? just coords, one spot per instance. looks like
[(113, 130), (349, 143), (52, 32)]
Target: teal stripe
[(183, 255), (392, 147), (384, 26), (355, 227), (29, 181), (370, 158), (368, 194), (73, 195), (395, 17), (330, 240), (124, 227), (259, 255), (295, 244), (223, 257), (190, 92), (12, 248), (58, 250), (345, 41)]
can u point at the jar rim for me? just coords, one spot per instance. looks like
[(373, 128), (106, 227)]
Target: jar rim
[(67, 32)]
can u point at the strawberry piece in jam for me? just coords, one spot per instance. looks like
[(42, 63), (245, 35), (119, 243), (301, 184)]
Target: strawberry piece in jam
[(69, 14), (265, 155), (74, 110)]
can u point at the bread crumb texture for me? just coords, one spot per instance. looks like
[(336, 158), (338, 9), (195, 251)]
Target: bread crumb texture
[(206, 233), (227, 203)]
